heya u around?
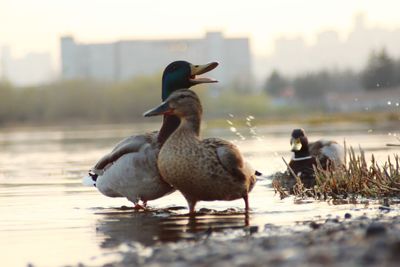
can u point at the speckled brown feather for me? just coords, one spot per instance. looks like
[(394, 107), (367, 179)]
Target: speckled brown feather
[(209, 169)]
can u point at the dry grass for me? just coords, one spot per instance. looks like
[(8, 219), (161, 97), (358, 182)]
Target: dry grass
[(354, 179)]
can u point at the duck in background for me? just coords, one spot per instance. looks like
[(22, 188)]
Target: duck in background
[(201, 169), (302, 163), (130, 169), (328, 152), (306, 155)]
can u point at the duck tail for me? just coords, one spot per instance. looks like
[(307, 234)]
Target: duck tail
[(90, 179)]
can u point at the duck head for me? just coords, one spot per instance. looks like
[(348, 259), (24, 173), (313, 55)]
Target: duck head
[(182, 75), (299, 142), (181, 103)]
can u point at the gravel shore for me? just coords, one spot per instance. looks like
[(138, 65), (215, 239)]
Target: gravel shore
[(333, 241)]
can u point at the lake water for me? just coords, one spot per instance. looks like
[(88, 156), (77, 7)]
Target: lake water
[(49, 219)]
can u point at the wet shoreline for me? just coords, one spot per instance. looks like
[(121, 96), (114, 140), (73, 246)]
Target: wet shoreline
[(49, 219), (346, 240)]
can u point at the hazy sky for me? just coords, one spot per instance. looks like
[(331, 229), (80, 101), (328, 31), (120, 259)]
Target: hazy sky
[(36, 25)]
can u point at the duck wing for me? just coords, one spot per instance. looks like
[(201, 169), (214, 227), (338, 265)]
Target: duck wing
[(232, 161), (228, 156), (325, 150), (128, 145)]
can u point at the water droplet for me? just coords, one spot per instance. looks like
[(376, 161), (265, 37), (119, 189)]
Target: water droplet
[(370, 130), (355, 99), (378, 85), (233, 129), (389, 134), (231, 115), (367, 108), (229, 122), (397, 104), (389, 103)]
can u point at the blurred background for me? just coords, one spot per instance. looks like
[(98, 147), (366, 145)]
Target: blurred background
[(95, 62), (77, 75)]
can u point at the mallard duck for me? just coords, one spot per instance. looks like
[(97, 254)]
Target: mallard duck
[(201, 169), (302, 162), (328, 153), (130, 169)]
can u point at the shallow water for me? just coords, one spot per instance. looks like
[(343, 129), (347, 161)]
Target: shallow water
[(49, 219)]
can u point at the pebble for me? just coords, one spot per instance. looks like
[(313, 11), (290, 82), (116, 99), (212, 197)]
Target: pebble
[(334, 220), (395, 251), (347, 215), (205, 210), (314, 225), (375, 229), (252, 229), (384, 208)]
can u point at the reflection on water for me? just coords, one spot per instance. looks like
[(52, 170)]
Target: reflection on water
[(148, 228), (49, 219)]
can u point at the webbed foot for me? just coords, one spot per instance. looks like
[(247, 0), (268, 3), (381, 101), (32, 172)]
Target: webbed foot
[(139, 207)]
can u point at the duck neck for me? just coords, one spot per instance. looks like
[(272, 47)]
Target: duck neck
[(188, 129), (302, 153), (170, 124), (191, 124)]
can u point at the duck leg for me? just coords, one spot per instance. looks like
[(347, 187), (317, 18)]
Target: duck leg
[(192, 204), (246, 203), (139, 207)]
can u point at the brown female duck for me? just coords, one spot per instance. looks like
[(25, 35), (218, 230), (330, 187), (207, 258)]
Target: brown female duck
[(201, 169)]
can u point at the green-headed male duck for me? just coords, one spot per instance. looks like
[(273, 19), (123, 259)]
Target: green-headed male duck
[(302, 162), (328, 153), (201, 169), (130, 169)]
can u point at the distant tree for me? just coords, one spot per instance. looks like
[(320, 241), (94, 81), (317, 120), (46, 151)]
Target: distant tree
[(7, 97), (312, 86), (397, 72), (380, 71), (344, 81), (275, 84)]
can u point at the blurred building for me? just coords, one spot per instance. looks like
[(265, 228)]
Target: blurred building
[(33, 68), (294, 55), (126, 59)]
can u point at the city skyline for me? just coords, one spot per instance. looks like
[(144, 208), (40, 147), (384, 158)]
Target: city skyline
[(35, 26), (126, 59), (270, 51)]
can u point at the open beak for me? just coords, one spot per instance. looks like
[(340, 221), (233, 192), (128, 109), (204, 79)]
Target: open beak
[(163, 108), (200, 69), (296, 144)]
